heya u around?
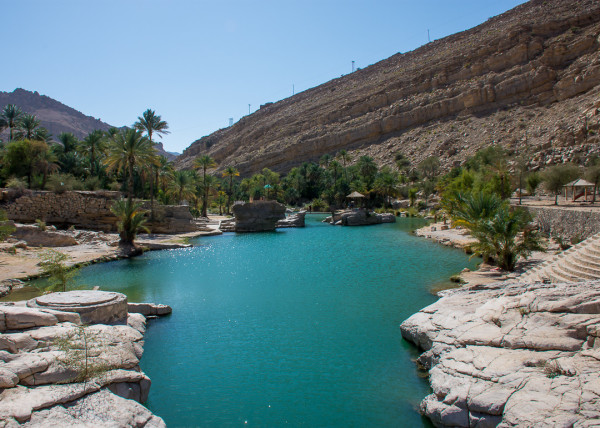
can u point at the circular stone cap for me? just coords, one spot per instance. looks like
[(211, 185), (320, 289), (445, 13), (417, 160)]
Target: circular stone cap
[(93, 306), (77, 298)]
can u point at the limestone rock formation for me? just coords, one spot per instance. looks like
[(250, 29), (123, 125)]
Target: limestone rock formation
[(293, 220), (257, 216), (93, 306), (525, 79), (360, 218), (36, 237), (511, 354), (56, 371), (88, 210)]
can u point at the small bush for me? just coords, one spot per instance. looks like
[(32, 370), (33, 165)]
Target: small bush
[(60, 183), (92, 183), (319, 205), (40, 224), (6, 227), (16, 184)]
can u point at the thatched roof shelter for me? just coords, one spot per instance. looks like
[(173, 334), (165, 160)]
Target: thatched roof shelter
[(579, 188)]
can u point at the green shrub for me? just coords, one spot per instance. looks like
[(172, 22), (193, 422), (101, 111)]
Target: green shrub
[(16, 184), (92, 183), (54, 265), (60, 183), (319, 205), (6, 227), (40, 224)]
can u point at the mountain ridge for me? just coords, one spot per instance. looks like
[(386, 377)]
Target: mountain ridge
[(446, 98)]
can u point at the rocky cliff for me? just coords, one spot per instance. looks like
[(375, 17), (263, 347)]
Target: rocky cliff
[(527, 79)]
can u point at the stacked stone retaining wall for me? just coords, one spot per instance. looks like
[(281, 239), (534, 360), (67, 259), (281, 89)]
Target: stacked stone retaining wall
[(87, 210), (567, 223)]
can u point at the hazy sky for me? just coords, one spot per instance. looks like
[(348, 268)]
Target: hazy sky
[(198, 63)]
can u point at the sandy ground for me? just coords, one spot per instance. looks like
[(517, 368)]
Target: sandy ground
[(486, 274), (22, 262)]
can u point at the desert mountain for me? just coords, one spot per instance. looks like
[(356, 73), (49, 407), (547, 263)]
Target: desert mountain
[(57, 117), (527, 79)]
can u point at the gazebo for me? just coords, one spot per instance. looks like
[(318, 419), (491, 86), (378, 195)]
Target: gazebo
[(355, 195), (579, 188)]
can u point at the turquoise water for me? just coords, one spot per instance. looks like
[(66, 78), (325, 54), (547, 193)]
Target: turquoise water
[(297, 327)]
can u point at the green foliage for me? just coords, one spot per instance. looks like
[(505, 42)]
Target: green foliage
[(319, 205), (557, 176), (53, 264), (81, 351), (131, 220), (40, 224), (6, 227), (532, 181), (60, 183), (16, 184), (500, 232)]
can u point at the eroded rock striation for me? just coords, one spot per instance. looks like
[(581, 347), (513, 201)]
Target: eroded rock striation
[(524, 79), (257, 216), (511, 354), (57, 371)]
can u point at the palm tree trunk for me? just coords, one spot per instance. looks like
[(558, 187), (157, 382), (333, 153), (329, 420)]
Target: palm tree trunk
[(130, 183)]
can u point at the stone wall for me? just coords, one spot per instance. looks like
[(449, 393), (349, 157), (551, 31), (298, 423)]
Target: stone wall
[(566, 222), (87, 210)]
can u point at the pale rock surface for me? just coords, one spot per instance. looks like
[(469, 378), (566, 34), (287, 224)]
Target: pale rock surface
[(511, 354), (36, 237), (293, 220), (41, 368)]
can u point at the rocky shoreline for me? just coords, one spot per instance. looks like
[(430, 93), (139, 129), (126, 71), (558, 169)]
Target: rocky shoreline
[(511, 354), (68, 368), (501, 352), (20, 254)]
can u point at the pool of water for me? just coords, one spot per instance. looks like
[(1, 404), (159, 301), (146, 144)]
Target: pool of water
[(297, 327)]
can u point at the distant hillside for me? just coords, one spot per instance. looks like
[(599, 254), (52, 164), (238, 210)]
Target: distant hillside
[(527, 79), (57, 117)]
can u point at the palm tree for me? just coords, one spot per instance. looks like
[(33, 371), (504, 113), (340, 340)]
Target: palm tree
[(42, 134), (182, 185), (498, 236), (128, 149), (230, 172), (207, 185), (48, 164), (151, 123), (68, 141), (386, 183), (130, 220), (468, 209), (11, 114), (204, 162), (368, 169), (93, 144), (26, 127), (345, 157)]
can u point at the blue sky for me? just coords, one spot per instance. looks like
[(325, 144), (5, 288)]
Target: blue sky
[(198, 63)]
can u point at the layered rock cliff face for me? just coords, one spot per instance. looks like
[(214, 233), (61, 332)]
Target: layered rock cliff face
[(527, 79)]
